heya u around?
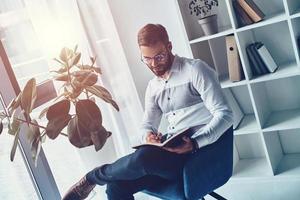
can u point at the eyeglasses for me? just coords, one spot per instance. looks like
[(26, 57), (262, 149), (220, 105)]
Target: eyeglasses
[(158, 58)]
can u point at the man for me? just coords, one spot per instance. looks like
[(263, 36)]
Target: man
[(188, 93)]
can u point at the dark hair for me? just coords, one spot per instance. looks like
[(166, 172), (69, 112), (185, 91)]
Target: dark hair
[(151, 34)]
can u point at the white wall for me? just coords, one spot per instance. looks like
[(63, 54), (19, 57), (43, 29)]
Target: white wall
[(130, 16)]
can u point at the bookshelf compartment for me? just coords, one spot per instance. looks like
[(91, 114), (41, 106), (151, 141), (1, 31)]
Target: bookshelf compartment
[(293, 6), (273, 10), (216, 56), (296, 29), (193, 29), (249, 157), (284, 151), (278, 103), (279, 46), (248, 123)]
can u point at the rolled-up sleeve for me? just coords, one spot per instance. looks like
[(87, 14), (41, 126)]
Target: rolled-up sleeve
[(205, 81), (152, 114)]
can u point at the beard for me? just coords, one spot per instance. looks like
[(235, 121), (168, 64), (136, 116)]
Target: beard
[(161, 69)]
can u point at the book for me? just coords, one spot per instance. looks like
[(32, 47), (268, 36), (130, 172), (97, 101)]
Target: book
[(168, 140), (242, 17), (298, 41), (234, 64), (253, 64), (261, 64), (252, 10), (267, 58)]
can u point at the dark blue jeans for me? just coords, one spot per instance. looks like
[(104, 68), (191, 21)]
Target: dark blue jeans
[(146, 167)]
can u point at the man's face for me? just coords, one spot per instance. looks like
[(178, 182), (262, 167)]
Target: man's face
[(157, 57)]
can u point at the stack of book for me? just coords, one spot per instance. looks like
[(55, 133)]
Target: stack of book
[(247, 12), (260, 59)]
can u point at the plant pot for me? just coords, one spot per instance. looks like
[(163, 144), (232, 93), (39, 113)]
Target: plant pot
[(209, 24)]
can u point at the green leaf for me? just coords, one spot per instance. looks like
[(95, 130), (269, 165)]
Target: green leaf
[(74, 60), (93, 59), (60, 71), (78, 136), (2, 115), (97, 70), (14, 147), (29, 96), (1, 126), (60, 62), (35, 150), (33, 132), (99, 137), (89, 115), (15, 103), (65, 54), (75, 48), (103, 93), (86, 77), (62, 77), (14, 126), (34, 138), (56, 125), (58, 109)]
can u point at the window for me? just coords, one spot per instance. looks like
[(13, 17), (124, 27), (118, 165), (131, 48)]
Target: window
[(13, 175)]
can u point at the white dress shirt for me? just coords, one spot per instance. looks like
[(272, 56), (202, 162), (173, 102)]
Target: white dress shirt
[(190, 97)]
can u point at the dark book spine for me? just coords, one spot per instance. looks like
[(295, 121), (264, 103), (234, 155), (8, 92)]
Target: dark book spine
[(242, 16), (298, 41), (252, 62), (256, 9)]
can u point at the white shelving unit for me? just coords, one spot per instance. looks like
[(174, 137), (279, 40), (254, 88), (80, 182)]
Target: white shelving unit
[(267, 140)]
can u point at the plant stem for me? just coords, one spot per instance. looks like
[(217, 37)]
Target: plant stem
[(69, 75), (86, 93), (37, 125)]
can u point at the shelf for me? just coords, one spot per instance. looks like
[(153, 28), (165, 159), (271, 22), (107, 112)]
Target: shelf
[(283, 120), (251, 168), (223, 32), (286, 70), (295, 15), (289, 165), (269, 20), (293, 6), (247, 125), (226, 83)]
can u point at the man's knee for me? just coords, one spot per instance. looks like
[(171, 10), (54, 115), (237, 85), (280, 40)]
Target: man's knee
[(146, 156)]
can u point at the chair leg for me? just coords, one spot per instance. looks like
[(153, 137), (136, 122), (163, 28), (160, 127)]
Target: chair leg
[(217, 196)]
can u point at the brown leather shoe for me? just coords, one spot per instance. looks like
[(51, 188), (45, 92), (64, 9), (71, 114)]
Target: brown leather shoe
[(79, 190)]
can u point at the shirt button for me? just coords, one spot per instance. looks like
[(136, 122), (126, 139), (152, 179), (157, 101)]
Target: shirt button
[(173, 127), (168, 98), (173, 113), (166, 81)]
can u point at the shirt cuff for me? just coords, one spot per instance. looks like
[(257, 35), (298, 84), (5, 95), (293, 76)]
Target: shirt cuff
[(202, 140)]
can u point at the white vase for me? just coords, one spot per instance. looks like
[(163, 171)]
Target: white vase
[(209, 24)]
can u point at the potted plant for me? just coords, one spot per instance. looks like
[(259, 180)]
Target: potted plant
[(79, 89), (202, 9)]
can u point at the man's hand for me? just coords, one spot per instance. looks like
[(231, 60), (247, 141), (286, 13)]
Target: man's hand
[(153, 137), (186, 147)]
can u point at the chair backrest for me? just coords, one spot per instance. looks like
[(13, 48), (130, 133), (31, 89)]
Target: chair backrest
[(209, 168)]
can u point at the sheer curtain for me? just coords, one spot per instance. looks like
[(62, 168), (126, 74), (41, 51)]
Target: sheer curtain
[(89, 24), (105, 43)]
